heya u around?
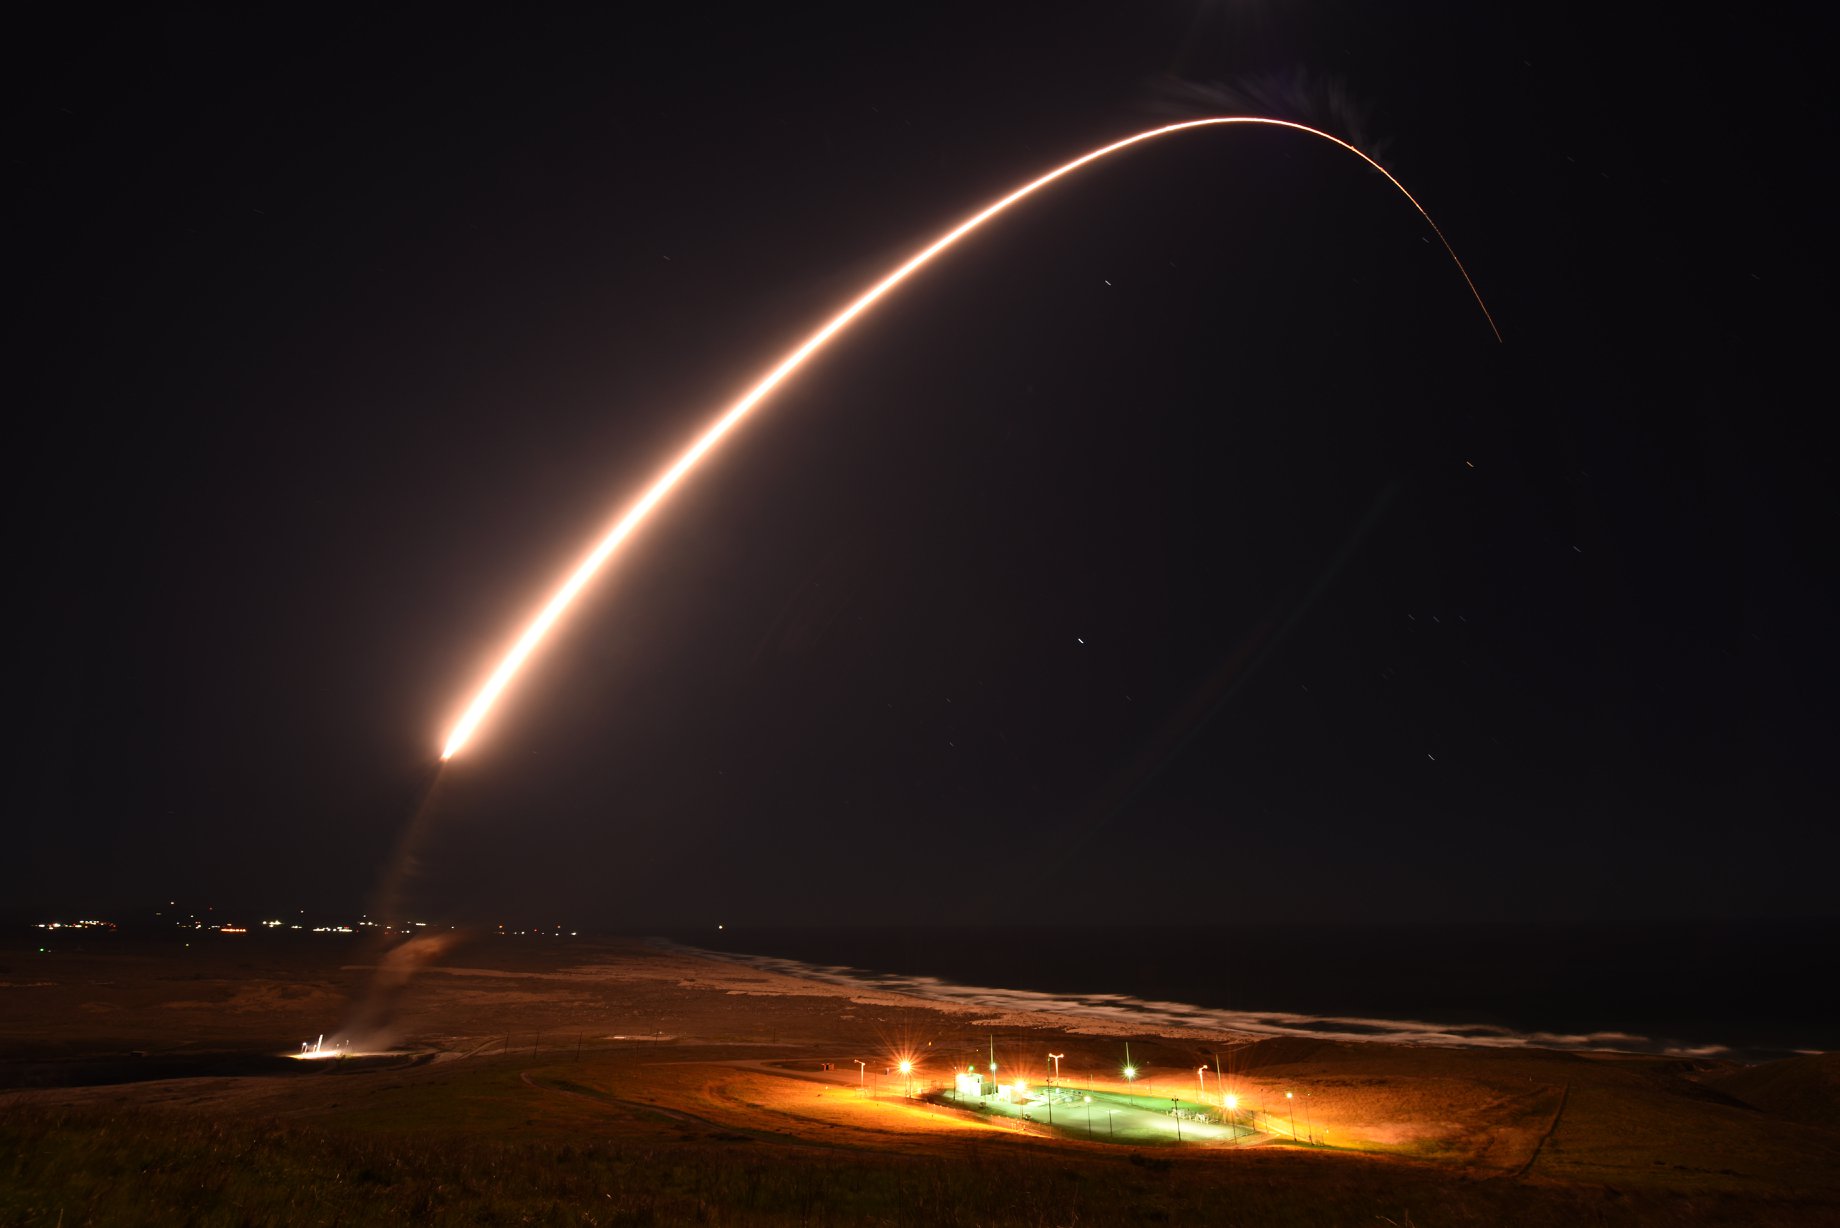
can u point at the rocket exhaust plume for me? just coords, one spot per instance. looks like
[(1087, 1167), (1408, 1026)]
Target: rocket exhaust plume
[(372, 1028), (559, 602)]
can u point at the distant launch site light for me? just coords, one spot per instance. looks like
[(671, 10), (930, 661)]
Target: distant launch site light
[(585, 571)]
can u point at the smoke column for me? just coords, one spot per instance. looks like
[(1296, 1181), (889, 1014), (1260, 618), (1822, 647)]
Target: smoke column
[(552, 610), (387, 903)]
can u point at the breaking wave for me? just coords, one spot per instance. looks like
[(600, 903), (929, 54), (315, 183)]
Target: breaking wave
[(1118, 1014)]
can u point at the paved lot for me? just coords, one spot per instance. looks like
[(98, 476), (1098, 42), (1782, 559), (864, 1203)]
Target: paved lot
[(1113, 1117)]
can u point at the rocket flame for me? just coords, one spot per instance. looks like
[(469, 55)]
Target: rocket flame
[(585, 571)]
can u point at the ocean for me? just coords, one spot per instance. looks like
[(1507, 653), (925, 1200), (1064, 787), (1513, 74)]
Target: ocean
[(1750, 990)]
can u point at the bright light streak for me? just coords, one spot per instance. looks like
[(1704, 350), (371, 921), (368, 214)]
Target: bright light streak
[(661, 486)]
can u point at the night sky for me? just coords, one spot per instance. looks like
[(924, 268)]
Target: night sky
[(1190, 528)]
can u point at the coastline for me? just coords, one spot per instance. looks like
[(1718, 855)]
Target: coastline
[(133, 1058), (1121, 1015)]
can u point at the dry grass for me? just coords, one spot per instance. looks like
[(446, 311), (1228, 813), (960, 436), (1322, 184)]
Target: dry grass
[(88, 1167)]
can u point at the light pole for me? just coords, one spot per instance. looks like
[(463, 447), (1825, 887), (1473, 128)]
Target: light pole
[(1201, 1082), (1175, 1111), (1110, 1132), (862, 1075), (1230, 1104), (907, 1070), (1290, 1103), (1089, 1117), (1056, 1059)]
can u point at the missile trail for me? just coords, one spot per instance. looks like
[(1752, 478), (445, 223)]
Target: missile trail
[(559, 602)]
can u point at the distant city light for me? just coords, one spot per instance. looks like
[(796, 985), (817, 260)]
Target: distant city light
[(192, 922)]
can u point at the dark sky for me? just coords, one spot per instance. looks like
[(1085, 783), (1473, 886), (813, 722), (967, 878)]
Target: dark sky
[(1187, 534)]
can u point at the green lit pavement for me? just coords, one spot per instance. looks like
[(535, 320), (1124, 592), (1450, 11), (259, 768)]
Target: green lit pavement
[(1110, 1117)]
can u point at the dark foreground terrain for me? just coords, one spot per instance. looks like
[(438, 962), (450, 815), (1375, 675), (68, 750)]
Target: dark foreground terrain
[(537, 1081)]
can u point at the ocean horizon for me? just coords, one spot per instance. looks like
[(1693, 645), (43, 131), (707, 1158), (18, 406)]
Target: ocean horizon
[(1751, 990)]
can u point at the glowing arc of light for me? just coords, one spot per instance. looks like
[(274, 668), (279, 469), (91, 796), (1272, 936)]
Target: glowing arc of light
[(661, 486)]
